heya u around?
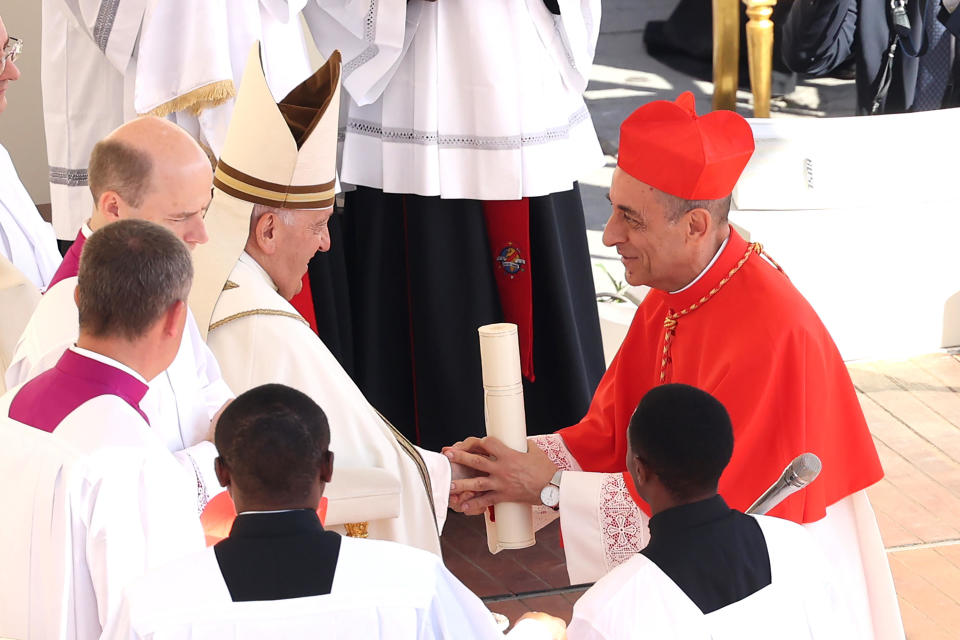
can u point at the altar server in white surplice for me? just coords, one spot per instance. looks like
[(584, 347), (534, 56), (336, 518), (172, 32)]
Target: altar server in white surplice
[(26, 239), (273, 196), (709, 572), (131, 507), (465, 133), (149, 169), (107, 61), (279, 573)]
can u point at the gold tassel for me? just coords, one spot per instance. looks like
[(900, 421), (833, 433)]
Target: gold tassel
[(205, 97)]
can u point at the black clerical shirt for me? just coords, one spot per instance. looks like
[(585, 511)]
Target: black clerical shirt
[(278, 555), (716, 555)]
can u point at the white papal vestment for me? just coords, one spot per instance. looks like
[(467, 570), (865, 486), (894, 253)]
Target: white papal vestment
[(259, 338)]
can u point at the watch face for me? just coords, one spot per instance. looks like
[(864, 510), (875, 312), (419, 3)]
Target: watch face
[(550, 495)]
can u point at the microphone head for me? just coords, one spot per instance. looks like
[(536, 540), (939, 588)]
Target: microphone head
[(804, 469)]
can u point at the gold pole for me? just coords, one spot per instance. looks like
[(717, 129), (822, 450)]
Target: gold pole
[(760, 53), (356, 529), (726, 53)]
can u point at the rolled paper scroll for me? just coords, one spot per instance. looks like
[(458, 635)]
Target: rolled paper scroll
[(511, 526)]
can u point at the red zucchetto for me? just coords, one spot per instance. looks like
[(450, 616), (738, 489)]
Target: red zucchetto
[(669, 147)]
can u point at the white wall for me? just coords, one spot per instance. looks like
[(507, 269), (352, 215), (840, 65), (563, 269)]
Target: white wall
[(21, 125)]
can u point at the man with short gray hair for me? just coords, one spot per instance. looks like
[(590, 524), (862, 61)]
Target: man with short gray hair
[(136, 506)]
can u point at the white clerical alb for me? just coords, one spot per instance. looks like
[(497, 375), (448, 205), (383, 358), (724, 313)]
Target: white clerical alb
[(181, 401), (106, 507), (26, 240), (603, 528), (104, 62), (802, 602), (463, 99), (381, 590)]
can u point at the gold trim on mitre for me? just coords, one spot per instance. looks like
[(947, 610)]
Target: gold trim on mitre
[(247, 187), (266, 161)]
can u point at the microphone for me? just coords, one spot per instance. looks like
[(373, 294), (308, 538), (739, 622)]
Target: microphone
[(802, 471)]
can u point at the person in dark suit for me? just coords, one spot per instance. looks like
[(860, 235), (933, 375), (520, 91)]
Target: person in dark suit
[(904, 50), (279, 573)]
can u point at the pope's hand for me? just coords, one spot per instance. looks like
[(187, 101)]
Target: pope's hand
[(499, 474)]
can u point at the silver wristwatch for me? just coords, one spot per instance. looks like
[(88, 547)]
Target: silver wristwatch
[(550, 494)]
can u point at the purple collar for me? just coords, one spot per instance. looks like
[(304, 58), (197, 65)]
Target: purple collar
[(53, 395), (71, 261)]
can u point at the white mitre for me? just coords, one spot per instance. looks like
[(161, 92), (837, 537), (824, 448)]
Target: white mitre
[(277, 154)]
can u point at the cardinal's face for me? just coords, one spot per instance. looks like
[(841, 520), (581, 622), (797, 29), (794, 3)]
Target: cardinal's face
[(653, 248)]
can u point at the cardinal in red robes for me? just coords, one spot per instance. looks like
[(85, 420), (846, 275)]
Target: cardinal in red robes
[(722, 316)]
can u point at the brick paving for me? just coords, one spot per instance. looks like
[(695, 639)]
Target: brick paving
[(913, 409)]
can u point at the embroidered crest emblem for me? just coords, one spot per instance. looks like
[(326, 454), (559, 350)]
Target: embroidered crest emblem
[(511, 260)]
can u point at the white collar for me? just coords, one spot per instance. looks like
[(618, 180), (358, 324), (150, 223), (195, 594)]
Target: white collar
[(99, 357), (707, 268), (244, 513), (86, 230), (248, 260)]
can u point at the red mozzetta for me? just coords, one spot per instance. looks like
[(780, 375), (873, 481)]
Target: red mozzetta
[(757, 346)]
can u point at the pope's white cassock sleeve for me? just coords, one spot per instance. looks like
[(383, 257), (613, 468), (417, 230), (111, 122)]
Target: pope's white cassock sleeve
[(258, 338), (381, 590), (87, 75), (180, 403), (26, 239), (802, 602), (130, 507), (603, 527)]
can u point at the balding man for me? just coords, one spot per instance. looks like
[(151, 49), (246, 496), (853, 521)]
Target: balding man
[(148, 169), (120, 504)]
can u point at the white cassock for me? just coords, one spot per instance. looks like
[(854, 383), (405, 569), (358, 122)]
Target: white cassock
[(181, 401), (39, 462), (105, 61), (18, 298), (26, 239), (109, 504), (603, 527), (88, 70), (259, 338), (463, 99), (381, 590), (638, 600)]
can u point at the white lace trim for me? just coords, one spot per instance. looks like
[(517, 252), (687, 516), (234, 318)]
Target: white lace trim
[(623, 527), (552, 445), (401, 135)]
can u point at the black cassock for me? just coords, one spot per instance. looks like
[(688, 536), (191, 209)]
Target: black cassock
[(409, 279), (278, 556)]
